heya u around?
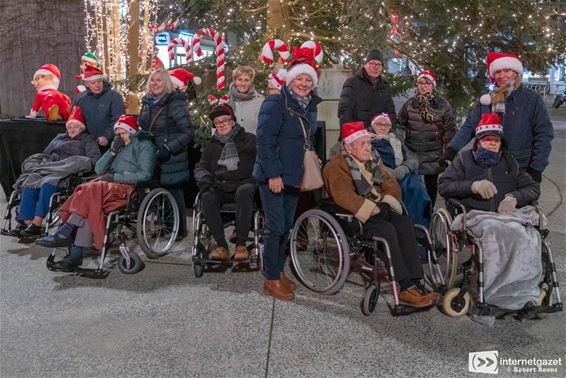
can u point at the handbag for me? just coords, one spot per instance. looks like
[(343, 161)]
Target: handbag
[(312, 176)]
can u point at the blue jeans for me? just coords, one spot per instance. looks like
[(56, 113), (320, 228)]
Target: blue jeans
[(35, 202), (279, 211)]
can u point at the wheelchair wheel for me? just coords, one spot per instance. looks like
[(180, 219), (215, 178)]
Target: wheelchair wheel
[(157, 223), (371, 297), (319, 252), (442, 273), (135, 264), (454, 306)]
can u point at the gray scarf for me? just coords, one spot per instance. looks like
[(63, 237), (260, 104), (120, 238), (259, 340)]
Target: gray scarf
[(303, 101), (229, 156), (363, 187), (236, 96)]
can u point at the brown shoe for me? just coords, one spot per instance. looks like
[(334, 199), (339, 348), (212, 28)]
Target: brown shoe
[(415, 297), (286, 282), (241, 253), (277, 290), (219, 253)]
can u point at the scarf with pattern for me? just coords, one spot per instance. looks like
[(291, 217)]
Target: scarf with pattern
[(426, 106), (499, 95), (229, 156), (303, 101), (486, 158), (363, 187)]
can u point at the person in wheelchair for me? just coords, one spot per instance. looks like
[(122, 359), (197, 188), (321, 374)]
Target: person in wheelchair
[(72, 152), (404, 164), (224, 175), (130, 160), (357, 181), (488, 178)]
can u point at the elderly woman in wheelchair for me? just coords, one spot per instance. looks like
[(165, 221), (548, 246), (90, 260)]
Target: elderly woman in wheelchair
[(69, 153), (130, 160), (224, 175), (485, 186), (357, 181)]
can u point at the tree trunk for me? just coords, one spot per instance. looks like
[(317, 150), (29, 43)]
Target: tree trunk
[(57, 37), (276, 16)]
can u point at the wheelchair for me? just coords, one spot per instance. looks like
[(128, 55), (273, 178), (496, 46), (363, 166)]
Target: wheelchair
[(202, 238), (151, 217), (327, 243), (455, 268)]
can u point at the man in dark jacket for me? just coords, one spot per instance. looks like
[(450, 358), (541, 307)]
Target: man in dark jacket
[(224, 175), (101, 106), (526, 124), (367, 94)]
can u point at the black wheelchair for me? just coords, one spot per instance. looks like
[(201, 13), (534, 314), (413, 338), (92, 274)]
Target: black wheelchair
[(327, 243), (151, 217), (455, 268), (202, 238)]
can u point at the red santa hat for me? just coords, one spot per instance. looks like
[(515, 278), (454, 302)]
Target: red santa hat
[(498, 61), (76, 117), (381, 116), (302, 63), (276, 79), (92, 73), (428, 74), (128, 123), (489, 125), (181, 77), (352, 131), (49, 69)]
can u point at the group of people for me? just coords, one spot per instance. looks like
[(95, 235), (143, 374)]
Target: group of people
[(258, 145)]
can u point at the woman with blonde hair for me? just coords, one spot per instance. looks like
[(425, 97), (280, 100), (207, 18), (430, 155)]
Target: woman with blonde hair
[(244, 99)]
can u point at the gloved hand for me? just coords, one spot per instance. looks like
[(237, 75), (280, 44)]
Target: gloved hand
[(109, 177), (117, 145), (536, 175), (484, 188), (508, 205), (164, 153), (207, 183), (400, 172), (448, 155)]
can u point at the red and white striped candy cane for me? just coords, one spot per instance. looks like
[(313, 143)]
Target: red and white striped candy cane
[(315, 46), (267, 51), (220, 64), (178, 42)]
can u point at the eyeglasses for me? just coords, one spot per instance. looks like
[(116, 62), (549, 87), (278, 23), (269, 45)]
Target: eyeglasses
[(383, 124), (423, 83), (375, 65), (224, 122)]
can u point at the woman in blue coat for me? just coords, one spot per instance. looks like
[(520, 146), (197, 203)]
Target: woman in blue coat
[(283, 121)]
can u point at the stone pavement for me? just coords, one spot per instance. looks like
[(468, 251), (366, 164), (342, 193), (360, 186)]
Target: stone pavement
[(164, 322)]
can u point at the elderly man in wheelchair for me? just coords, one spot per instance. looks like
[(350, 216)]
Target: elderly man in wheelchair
[(130, 160), (224, 175), (485, 186), (357, 181)]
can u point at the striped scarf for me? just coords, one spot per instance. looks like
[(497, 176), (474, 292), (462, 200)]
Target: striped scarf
[(499, 95), (363, 187), (229, 156)]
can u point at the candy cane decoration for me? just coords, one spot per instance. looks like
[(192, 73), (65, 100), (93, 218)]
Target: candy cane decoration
[(196, 50), (178, 42), (267, 51), (315, 46)]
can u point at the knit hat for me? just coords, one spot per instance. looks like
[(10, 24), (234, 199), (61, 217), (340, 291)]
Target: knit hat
[(90, 58), (489, 125), (49, 69), (221, 109), (373, 54), (302, 63), (498, 61), (92, 73), (181, 78), (128, 123), (381, 116), (352, 131), (427, 74), (76, 117), (276, 79)]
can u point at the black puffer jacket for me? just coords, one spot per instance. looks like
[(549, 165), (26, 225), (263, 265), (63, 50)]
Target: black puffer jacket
[(228, 181), (361, 99), (63, 146), (427, 140), (173, 127), (456, 182)]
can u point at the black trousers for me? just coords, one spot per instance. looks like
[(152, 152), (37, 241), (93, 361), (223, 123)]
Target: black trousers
[(431, 184), (179, 196), (211, 202), (400, 234)]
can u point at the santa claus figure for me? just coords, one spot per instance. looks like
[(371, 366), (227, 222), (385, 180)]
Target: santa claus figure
[(55, 105)]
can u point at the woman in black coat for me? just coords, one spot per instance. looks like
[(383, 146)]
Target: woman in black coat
[(165, 114)]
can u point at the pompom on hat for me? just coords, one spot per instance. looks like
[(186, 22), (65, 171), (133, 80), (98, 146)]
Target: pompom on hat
[(489, 125), (498, 61), (181, 77), (92, 73), (428, 74), (128, 123), (49, 69), (352, 131), (76, 117)]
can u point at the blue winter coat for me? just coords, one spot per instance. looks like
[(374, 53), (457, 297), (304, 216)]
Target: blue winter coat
[(101, 111), (527, 128), (280, 139)]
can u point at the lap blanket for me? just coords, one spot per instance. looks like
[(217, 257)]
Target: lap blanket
[(512, 264), (38, 170)]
